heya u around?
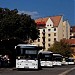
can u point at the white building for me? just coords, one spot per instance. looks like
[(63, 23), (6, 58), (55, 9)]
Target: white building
[(51, 29)]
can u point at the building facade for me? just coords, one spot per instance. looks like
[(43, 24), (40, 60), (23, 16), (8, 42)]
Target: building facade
[(72, 32), (66, 30), (51, 29), (71, 42)]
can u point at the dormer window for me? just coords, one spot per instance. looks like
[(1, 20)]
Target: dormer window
[(47, 25), (50, 24)]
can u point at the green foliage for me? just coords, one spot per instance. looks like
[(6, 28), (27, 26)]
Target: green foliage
[(62, 48), (17, 25)]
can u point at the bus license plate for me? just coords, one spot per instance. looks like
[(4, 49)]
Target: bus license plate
[(26, 67)]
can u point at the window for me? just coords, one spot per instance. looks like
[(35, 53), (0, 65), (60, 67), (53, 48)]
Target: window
[(43, 44), (49, 39), (43, 30), (54, 29), (31, 52), (47, 25), (49, 29), (50, 24), (49, 44), (38, 40), (49, 34), (54, 39), (54, 34), (70, 33)]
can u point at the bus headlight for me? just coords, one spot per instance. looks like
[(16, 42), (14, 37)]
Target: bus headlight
[(18, 58)]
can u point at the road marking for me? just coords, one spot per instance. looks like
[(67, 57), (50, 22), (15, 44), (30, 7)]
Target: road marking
[(67, 71)]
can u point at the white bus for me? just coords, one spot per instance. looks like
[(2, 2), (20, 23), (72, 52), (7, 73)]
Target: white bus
[(57, 59), (69, 61), (46, 58), (27, 56)]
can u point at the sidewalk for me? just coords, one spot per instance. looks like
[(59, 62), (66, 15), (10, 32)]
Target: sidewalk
[(7, 69)]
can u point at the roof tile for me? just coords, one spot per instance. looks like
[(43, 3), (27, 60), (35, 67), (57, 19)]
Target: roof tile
[(70, 41), (55, 20)]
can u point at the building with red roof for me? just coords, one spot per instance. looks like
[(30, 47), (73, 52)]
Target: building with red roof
[(71, 42), (51, 29)]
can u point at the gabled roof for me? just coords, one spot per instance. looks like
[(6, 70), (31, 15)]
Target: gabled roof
[(41, 20), (55, 20)]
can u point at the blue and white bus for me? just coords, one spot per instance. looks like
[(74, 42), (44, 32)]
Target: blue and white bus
[(46, 58), (57, 59), (27, 56)]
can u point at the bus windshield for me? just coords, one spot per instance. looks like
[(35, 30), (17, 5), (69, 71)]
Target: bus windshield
[(69, 60), (27, 53), (45, 57), (57, 58)]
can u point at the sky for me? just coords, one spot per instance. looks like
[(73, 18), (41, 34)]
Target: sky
[(43, 8)]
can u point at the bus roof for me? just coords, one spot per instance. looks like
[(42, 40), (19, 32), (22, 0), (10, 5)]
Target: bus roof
[(26, 45), (54, 54), (45, 51), (29, 46), (70, 58)]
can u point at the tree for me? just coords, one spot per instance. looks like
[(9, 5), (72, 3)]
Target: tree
[(14, 29), (17, 25), (61, 47)]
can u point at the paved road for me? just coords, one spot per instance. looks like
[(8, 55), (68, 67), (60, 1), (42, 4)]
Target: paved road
[(71, 72), (45, 71)]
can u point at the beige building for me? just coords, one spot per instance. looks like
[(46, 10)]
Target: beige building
[(66, 30), (51, 29)]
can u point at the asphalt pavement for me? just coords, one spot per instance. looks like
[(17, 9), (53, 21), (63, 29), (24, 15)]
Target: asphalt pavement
[(63, 70)]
